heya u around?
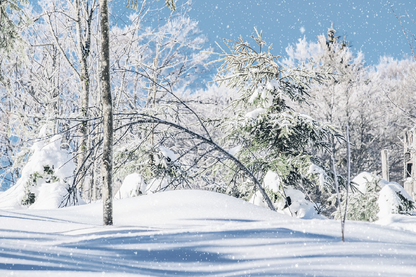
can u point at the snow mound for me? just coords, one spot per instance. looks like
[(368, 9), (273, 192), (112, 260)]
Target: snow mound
[(389, 200), (185, 207), (362, 179), (132, 186)]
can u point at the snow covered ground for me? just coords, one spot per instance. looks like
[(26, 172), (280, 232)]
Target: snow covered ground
[(194, 233)]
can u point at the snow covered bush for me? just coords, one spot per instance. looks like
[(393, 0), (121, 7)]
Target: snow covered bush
[(45, 178), (133, 185), (375, 198), (393, 199), (285, 198), (159, 169)]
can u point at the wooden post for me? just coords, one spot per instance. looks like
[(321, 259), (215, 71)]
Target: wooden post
[(409, 162), (385, 165)]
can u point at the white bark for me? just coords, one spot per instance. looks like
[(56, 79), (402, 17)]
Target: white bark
[(107, 166)]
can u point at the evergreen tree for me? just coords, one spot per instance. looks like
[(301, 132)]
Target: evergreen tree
[(11, 19), (273, 135)]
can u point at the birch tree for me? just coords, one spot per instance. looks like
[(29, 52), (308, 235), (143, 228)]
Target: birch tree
[(107, 157)]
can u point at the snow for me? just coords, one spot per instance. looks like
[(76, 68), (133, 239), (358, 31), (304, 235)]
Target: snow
[(234, 151), (167, 153), (50, 192), (362, 179), (272, 181), (133, 184), (388, 199), (197, 233), (255, 113)]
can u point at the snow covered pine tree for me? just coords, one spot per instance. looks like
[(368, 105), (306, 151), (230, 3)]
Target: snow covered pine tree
[(273, 135)]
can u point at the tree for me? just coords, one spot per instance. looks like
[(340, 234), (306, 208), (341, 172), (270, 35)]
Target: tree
[(273, 136), (107, 169), (107, 165), (84, 44), (11, 19), (374, 101)]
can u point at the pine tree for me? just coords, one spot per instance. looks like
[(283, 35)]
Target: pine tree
[(273, 135), (10, 37)]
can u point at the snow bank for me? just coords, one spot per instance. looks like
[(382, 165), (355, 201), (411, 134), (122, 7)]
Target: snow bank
[(196, 233), (389, 200)]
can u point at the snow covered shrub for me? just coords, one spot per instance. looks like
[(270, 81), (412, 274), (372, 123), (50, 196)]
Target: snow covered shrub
[(164, 163), (133, 185), (362, 203), (35, 179), (393, 199), (322, 194), (45, 178), (159, 167), (285, 198), (375, 198)]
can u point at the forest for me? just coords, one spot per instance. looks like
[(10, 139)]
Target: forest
[(132, 146), (289, 133)]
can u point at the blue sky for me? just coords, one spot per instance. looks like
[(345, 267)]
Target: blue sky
[(370, 26)]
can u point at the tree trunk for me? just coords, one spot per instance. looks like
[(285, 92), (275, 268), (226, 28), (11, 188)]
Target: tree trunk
[(83, 53), (107, 166), (344, 218), (385, 165)]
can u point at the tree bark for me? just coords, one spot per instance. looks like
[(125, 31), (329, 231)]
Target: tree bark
[(107, 166), (348, 182), (83, 53), (385, 165)]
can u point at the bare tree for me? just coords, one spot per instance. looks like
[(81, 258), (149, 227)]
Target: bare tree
[(107, 166)]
